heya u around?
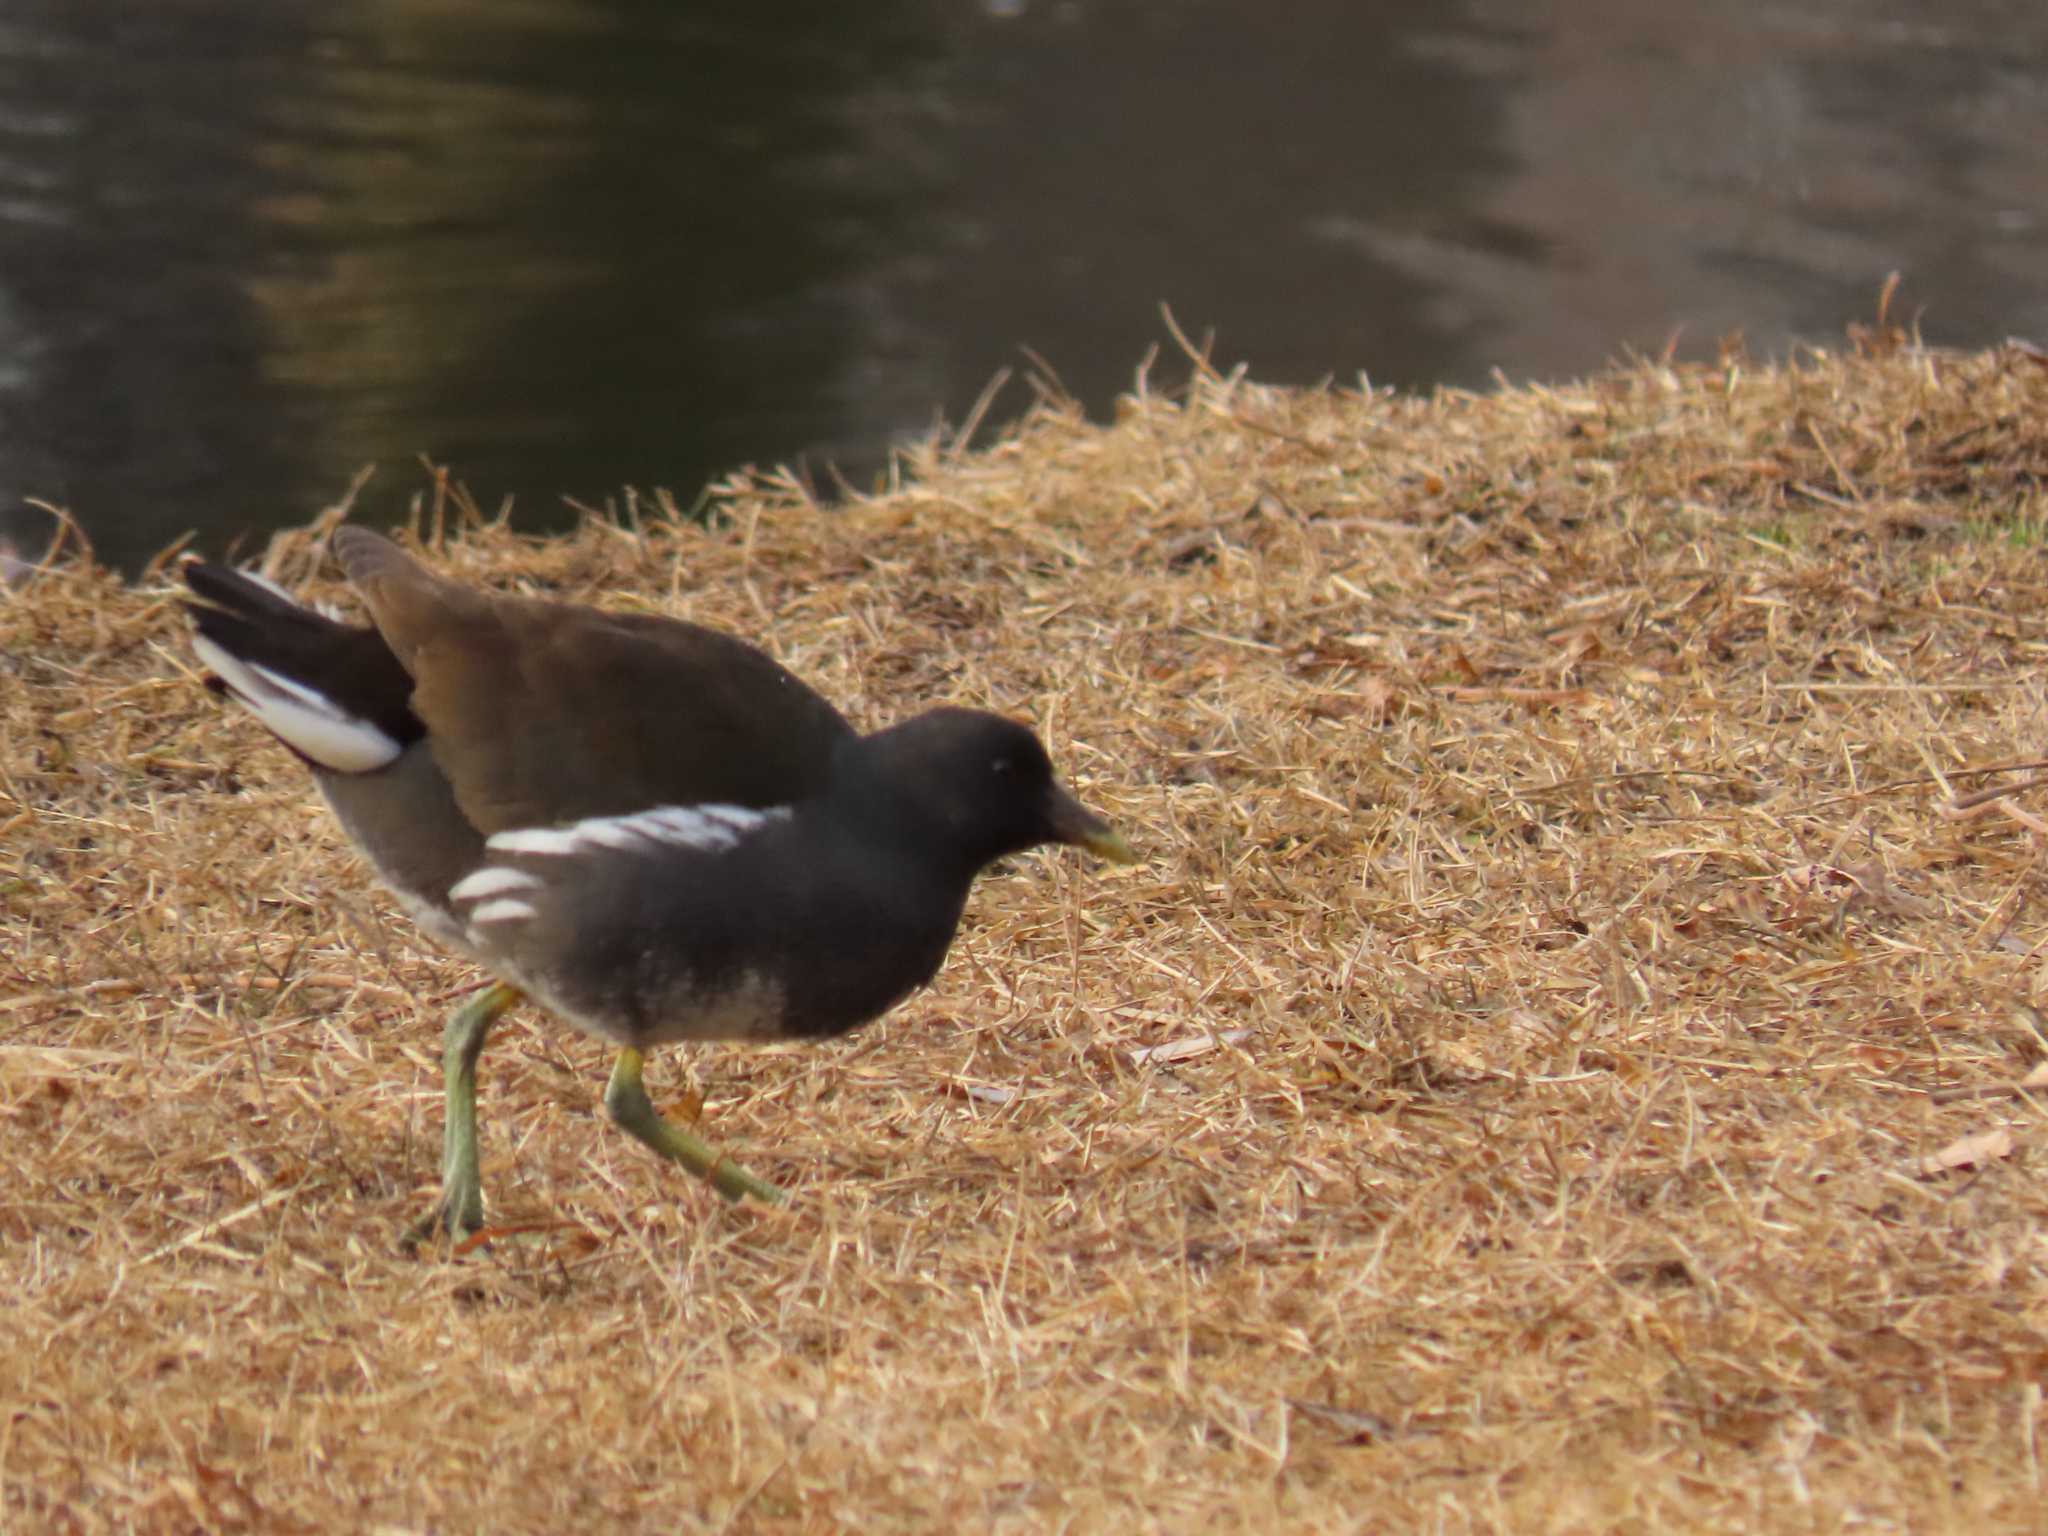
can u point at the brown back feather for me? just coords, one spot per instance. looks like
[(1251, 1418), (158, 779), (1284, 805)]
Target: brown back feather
[(541, 713)]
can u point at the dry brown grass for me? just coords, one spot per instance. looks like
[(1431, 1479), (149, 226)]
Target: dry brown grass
[(1564, 951)]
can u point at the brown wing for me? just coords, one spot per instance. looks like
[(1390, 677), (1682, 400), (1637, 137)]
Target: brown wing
[(541, 713)]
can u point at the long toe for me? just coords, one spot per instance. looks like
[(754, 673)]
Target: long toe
[(457, 1216)]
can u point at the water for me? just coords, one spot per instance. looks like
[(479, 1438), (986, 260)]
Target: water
[(564, 246)]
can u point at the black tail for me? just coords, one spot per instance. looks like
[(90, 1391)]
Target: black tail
[(347, 664)]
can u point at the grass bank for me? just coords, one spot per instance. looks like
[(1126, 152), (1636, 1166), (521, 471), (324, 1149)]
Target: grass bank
[(1561, 1068)]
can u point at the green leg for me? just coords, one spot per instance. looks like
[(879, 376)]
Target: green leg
[(635, 1113), (460, 1210)]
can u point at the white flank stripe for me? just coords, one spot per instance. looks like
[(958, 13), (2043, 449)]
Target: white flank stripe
[(711, 828), (298, 716), (505, 909), (547, 840), (492, 880), (623, 833), (703, 828)]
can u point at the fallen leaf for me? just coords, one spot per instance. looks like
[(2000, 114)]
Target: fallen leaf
[(1380, 699), (1969, 1151), (1349, 1424), (986, 1093), (1581, 644), (1192, 1045)]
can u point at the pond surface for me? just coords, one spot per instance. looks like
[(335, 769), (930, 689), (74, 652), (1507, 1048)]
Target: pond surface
[(564, 246)]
